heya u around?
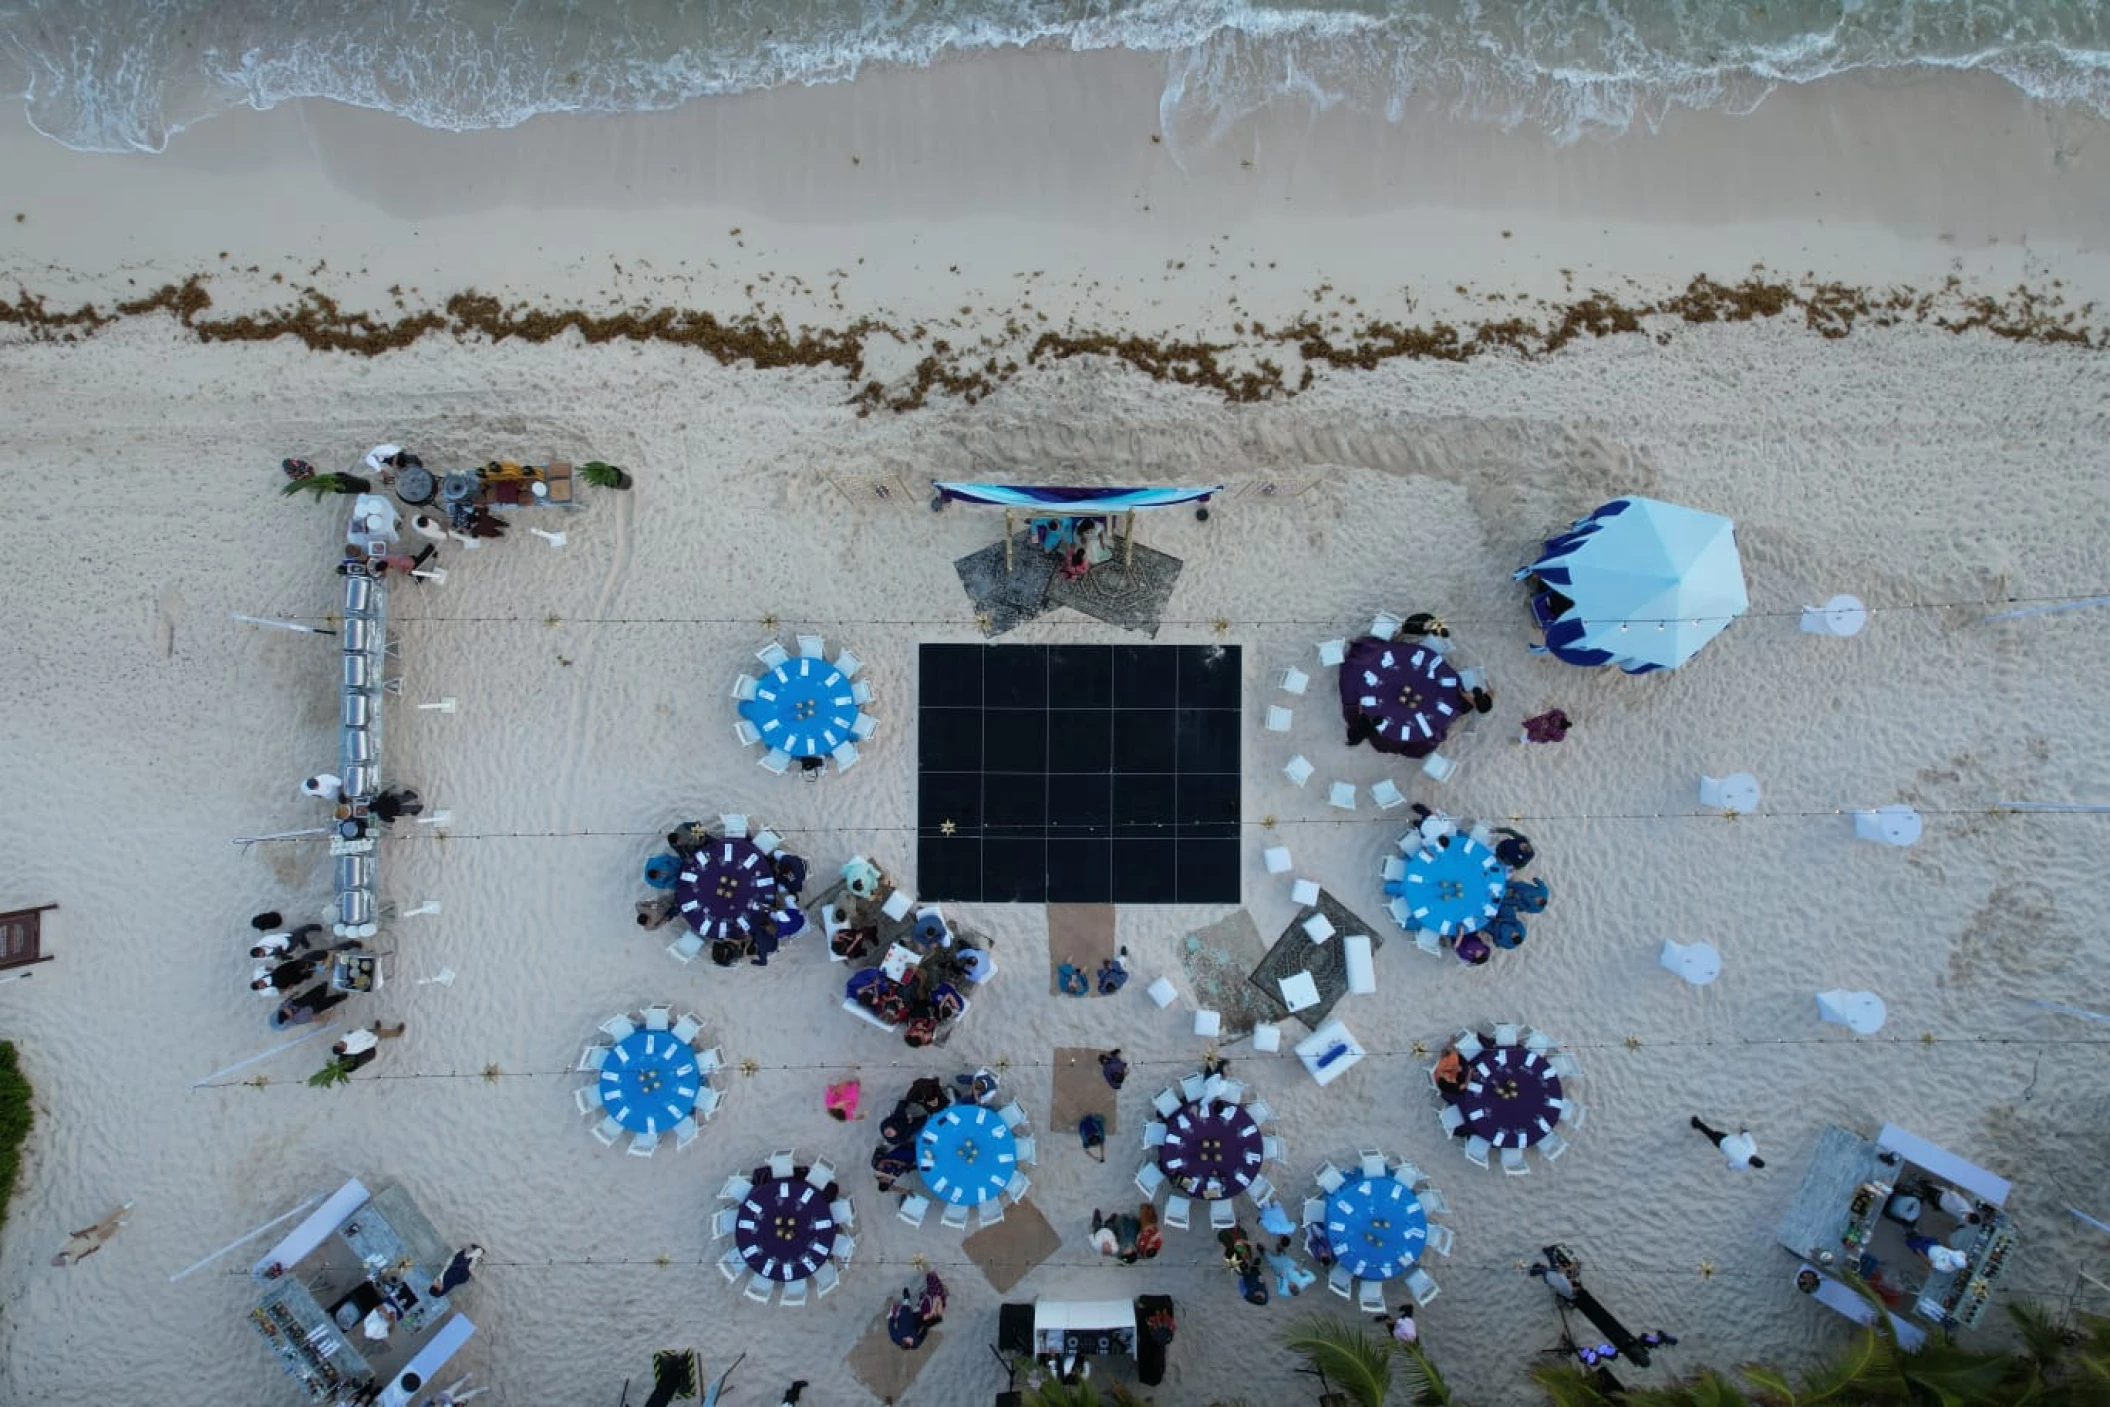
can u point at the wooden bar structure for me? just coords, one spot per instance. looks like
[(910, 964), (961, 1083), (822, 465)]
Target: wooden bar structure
[(21, 936)]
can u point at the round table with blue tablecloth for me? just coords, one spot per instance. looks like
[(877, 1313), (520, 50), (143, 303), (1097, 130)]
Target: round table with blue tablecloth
[(1376, 1226), (1451, 887), (649, 1081), (804, 707), (966, 1155)]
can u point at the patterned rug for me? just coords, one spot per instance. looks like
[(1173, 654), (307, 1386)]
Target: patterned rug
[(1132, 597), (1007, 599), (1294, 952), (1216, 960)]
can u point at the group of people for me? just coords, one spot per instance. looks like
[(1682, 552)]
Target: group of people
[(919, 1310), (928, 994), (1253, 1261), (389, 805), (1078, 543), (764, 934), (1112, 976), (1519, 896), (894, 1157), (1128, 1236), (289, 960)]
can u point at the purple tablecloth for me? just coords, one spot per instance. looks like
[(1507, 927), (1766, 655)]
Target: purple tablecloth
[(1211, 1149), (723, 884), (1407, 693), (1509, 1097), (784, 1230)]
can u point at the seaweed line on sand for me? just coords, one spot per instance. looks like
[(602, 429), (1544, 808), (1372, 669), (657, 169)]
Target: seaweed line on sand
[(1239, 370)]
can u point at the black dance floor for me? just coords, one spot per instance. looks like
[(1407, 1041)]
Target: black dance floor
[(1079, 774)]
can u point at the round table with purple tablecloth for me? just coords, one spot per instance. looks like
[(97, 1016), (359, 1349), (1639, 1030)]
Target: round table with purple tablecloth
[(1211, 1149), (1510, 1097), (1407, 694), (784, 1230), (726, 887)]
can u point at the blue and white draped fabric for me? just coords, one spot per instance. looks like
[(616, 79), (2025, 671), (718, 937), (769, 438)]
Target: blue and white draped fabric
[(1649, 582), (1073, 502)]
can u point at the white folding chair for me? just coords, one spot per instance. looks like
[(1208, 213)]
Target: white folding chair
[(1149, 1178), (1438, 767), (1373, 1162), (1386, 794), (744, 686), (812, 647), (914, 1210), (685, 949), (1260, 1111), (1384, 625), (849, 664), (1166, 1101), (1370, 1297), (722, 1222), (1222, 1215), (954, 1216), (1154, 1134), (768, 841), (659, 1018), (1452, 1118), (1260, 1190), (1407, 1174), (1552, 1146), (1468, 1044), (608, 1131), (733, 824), (1538, 1041), (732, 1265), (593, 1057), (827, 1280), (746, 732), (820, 1172), (1276, 858), (1191, 1086), (794, 1296), (844, 1249), (1293, 680), (643, 1145), (1314, 1211), (1564, 1065), (1432, 1201), (775, 760), (843, 1213), (1508, 1035), (1439, 1239), (1298, 769), (1572, 1114), (736, 1189), (861, 692), (1476, 1151), (771, 654), (1513, 1162), (990, 1213), (1341, 1282), (587, 1097), (1027, 1152), (845, 756), (863, 726), (1177, 1209), (1013, 1115), (688, 1028), (707, 1102), (1332, 652), (1278, 718), (1270, 1148), (1421, 1286), (685, 1133), (782, 1163), (1329, 1178), (1017, 1187), (761, 1289), (710, 1061), (1341, 796), (619, 1027)]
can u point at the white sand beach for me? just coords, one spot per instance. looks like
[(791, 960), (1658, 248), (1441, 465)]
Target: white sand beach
[(1942, 474)]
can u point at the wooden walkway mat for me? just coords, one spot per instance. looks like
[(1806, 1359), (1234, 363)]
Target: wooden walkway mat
[(886, 1368), (1008, 1251), (1079, 1090), (1081, 935)]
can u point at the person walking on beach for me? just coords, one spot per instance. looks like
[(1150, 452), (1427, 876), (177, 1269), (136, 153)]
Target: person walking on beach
[(791, 1394), (1740, 1148), (462, 1267), (358, 1048), (286, 976), (90, 1239), (1548, 727), (288, 944), (301, 1009), (325, 785), (840, 1100)]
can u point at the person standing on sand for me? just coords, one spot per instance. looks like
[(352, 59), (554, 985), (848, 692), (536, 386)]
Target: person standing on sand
[(325, 785), (358, 1048), (840, 1100), (87, 1241), (458, 1270), (308, 1005), (1740, 1148)]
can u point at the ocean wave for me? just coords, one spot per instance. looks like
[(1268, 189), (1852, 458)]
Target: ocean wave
[(126, 75)]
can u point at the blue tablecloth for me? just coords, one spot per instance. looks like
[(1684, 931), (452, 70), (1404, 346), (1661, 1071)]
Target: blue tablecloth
[(1376, 1227), (649, 1082), (966, 1155), (1452, 889), (803, 706)]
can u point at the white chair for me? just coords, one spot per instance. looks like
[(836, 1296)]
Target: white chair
[(1318, 928), (1507, 1034), (1260, 1111), (744, 686), (707, 1102), (760, 1289), (688, 1028), (820, 1173), (1332, 652), (1329, 1178), (1026, 1151), (1386, 794), (1341, 1282), (1407, 1175), (1270, 1148), (1562, 1064), (587, 1097), (1362, 969), (768, 841), (849, 664), (722, 1222), (732, 1265), (914, 1210), (1476, 1150), (659, 1018), (1304, 892), (1738, 792), (1372, 1162), (619, 1027), (794, 1296), (685, 1133), (842, 1213), (1228, 1091), (1276, 858), (733, 825), (1863, 1013), (827, 1280), (1384, 625), (1222, 1215), (1267, 1037), (775, 760), (1370, 1297), (1895, 824), (1468, 1044), (992, 1212), (782, 1163), (1261, 1190), (736, 1189), (1573, 1114), (1177, 1210), (644, 1145), (1298, 769), (812, 647), (1341, 796), (686, 949), (1013, 1115), (1314, 1211), (1149, 1178), (863, 726), (1552, 1146), (1421, 1286), (897, 905), (1452, 1118), (1392, 868), (1293, 680), (745, 732), (1538, 1041), (712, 1060), (1017, 1188), (1191, 1086), (1438, 767), (954, 1216), (1841, 615), (1166, 1101), (1278, 718), (1209, 1024), (1154, 1134), (771, 654), (845, 756), (1432, 1201), (593, 1057), (1440, 1239), (1513, 1162), (861, 692), (1697, 963), (844, 1250)]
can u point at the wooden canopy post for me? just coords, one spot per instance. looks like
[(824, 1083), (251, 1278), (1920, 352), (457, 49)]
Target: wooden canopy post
[(1128, 548), (1007, 542)]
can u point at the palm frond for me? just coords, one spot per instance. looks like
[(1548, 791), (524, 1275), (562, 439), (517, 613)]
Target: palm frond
[(1864, 1369), (1425, 1385), (1773, 1386), (1567, 1385), (1347, 1355)]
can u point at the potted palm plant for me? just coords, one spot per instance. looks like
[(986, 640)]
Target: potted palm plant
[(320, 484), (604, 476), (334, 1073)]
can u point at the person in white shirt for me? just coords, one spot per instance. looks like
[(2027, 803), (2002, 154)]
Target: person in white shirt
[(1958, 1206), (357, 1048), (325, 785), (1739, 1148)]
